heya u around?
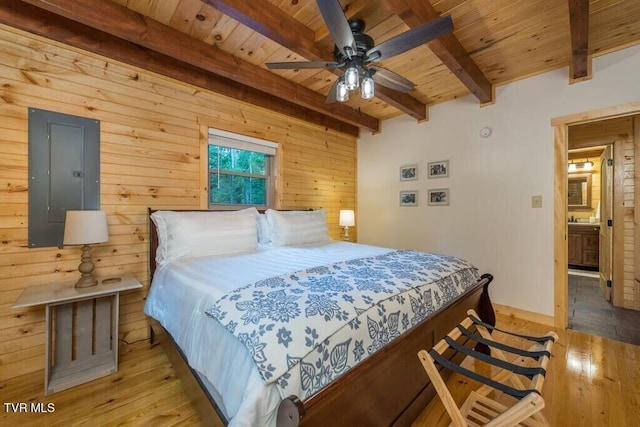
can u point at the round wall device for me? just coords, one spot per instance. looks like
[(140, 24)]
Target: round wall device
[(485, 132)]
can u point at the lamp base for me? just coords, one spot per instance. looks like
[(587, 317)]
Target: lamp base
[(86, 282), (86, 269), (346, 234)]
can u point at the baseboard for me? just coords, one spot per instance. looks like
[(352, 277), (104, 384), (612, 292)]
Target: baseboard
[(529, 316)]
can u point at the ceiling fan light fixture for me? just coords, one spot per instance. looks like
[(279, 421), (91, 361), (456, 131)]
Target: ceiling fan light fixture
[(342, 93), (352, 78), (367, 88), (354, 52)]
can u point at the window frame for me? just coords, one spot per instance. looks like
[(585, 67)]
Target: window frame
[(235, 141)]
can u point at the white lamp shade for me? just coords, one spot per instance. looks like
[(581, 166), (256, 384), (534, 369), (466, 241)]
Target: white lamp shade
[(347, 218), (85, 227)]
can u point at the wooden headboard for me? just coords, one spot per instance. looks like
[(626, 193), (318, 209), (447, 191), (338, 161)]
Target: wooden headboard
[(153, 244)]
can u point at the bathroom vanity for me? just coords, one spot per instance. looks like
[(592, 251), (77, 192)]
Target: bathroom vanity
[(583, 243)]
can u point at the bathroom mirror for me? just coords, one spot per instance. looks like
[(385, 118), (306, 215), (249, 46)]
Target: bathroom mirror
[(579, 191)]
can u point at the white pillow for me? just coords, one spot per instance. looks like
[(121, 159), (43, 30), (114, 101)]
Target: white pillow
[(298, 227), (264, 230), (190, 234)]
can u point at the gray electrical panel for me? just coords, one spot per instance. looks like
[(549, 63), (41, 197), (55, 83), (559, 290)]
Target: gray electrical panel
[(64, 172)]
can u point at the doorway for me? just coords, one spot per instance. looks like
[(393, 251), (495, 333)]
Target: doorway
[(590, 210), (629, 296), (590, 233), (623, 254)]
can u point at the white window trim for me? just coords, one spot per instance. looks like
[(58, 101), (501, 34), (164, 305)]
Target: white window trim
[(241, 142)]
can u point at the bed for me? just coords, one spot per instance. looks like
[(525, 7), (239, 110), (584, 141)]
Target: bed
[(221, 371)]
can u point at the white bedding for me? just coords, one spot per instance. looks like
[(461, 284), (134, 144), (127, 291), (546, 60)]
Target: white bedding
[(181, 292)]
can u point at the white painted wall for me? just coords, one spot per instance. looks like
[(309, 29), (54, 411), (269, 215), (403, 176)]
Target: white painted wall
[(489, 221)]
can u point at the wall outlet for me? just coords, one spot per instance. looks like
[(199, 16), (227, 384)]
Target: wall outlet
[(536, 201)]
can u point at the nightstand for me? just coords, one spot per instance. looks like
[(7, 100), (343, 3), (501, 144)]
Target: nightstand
[(82, 337)]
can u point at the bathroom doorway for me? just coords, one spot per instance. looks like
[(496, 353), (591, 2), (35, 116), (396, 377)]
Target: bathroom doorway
[(590, 192), (600, 240), (626, 242), (589, 238)]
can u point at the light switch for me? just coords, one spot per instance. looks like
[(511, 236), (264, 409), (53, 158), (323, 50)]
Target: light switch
[(536, 201)]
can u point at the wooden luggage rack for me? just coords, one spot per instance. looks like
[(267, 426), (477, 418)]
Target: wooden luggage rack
[(521, 384)]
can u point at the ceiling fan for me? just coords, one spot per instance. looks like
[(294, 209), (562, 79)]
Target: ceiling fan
[(355, 53)]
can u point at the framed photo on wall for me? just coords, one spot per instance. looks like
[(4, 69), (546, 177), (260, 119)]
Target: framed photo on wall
[(409, 173), (409, 198), (439, 169), (438, 197)]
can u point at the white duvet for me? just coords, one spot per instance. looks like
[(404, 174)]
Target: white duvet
[(181, 292)]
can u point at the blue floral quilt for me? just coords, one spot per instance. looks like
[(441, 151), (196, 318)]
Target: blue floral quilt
[(307, 328)]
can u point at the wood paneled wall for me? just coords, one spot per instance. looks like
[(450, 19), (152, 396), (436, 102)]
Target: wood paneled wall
[(621, 131), (150, 157)]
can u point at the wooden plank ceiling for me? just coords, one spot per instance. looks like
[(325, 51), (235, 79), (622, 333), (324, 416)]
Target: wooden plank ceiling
[(224, 44)]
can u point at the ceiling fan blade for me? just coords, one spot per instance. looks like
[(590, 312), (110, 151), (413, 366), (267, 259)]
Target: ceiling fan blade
[(411, 39), (338, 25), (300, 65), (392, 80), (332, 95)]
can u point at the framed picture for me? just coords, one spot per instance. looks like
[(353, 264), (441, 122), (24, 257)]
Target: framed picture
[(439, 169), (439, 197), (408, 198), (409, 173)]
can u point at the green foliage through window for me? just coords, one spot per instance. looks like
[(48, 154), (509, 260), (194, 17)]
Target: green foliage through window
[(237, 177), (234, 160)]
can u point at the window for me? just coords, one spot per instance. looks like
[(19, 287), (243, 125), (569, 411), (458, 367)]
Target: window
[(241, 170)]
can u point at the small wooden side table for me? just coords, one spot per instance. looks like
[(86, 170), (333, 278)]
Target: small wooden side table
[(84, 344)]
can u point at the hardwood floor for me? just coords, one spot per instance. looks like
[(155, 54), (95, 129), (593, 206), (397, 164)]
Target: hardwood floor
[(143, 392), (592, 381)]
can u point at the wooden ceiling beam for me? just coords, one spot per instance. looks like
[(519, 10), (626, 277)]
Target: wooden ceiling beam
[(46, 24), (580, 68), (272, 22), (403, 102), (447, 48), (124, 23)]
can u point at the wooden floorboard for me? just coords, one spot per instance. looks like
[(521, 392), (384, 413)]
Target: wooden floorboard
[(591, 381), (144, 392)]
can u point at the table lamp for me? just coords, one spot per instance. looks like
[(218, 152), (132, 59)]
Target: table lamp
[(84, 228), (347, 219)]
